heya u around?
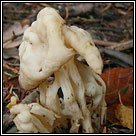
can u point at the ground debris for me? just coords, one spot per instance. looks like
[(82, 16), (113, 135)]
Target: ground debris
[(111, 26), (125, 115)]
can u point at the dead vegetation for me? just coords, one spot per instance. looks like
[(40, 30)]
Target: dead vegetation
[(111, 26)]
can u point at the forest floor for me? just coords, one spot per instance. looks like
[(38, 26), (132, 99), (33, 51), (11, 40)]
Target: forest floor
[(111, 27)]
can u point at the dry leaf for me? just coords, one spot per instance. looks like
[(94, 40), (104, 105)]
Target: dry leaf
[(13, 44), (116, 80), (17, 29), (125, 115), (10, 53)]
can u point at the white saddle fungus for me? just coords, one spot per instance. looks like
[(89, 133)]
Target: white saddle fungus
[(33, 118), (48, 48), (43, 50)]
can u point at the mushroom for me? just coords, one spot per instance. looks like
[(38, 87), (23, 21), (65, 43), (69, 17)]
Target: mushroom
[(48, 49), (32, 118)]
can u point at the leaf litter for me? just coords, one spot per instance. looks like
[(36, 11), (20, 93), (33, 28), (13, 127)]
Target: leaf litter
[(108, 32)]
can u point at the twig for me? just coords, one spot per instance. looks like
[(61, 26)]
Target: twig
[(120, 98), (13, 37), (115, 45), (122, 46), (44, 4), (14, 65), (125, 130), (119, 62), (67, 13), (10, 68), (18, 11), (80, 9), (11, 89), (119, 55), (31, 97), (115, 30), (7, 97), (121, 12), (11, 76), (126, 75), (130, 9), (104, 43), (112, 102), (15, 94), (107, 7)]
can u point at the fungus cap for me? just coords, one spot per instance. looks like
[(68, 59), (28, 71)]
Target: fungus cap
[(48, 44), (42, 51)]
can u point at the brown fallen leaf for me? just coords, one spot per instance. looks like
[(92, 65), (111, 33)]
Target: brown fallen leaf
[(125, 115), (116, 79)]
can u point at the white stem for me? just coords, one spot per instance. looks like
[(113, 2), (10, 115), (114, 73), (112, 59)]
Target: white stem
[(79, 90), (42, 89), (71, 107), (97, 91), (52, 99)]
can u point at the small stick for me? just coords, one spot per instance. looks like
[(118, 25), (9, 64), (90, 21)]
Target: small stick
[(13, 37), (67, 13), (115, 45), (126, 75), (122, 46), (107, 7), (120, 98), (119, 55), (104, 43), (10, 68), (11, 89)]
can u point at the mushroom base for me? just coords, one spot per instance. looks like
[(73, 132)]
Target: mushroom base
[(81, 104)]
